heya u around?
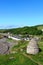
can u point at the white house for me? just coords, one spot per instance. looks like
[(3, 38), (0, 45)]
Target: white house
[(13, 38)]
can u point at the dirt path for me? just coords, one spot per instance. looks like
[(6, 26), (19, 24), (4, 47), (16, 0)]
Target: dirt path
[(31, 59)]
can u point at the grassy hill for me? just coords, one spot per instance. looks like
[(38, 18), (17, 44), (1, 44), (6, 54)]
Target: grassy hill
[(33, 30), (39, 27)]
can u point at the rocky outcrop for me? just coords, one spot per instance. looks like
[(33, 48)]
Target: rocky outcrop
[(32, 47), (4, 48)]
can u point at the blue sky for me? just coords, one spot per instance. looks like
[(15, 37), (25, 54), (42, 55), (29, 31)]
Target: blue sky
[(19, 13)]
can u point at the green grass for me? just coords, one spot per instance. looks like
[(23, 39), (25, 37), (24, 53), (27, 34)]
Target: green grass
[(21, 45), (18, 59), (40, 27)]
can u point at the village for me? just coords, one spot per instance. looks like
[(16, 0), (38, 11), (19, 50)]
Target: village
[(32, 47), (20, 46)]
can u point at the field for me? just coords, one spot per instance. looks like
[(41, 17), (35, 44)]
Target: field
[(40, 27), (20, 57)]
